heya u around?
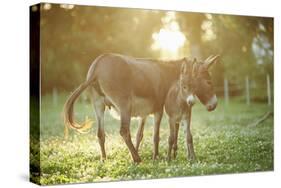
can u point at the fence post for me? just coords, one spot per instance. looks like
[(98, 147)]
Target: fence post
[(226, 94), (268, 90), (247, 91)]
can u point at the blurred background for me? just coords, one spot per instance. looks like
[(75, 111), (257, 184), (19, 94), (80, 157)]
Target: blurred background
[(73, 36)]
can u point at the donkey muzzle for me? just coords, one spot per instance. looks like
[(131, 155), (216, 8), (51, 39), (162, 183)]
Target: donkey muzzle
[(212, 103), (190, 100)]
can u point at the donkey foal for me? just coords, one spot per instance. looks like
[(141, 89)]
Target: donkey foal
[(178, 104)]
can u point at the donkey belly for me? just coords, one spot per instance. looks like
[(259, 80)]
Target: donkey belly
[(141, 107)]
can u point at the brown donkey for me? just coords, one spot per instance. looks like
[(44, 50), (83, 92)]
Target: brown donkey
[(194, 80), (133, 87)]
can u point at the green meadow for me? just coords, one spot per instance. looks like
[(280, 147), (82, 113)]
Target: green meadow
[(225, 142)]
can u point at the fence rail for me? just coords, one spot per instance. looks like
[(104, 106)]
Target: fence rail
[(247, 90)]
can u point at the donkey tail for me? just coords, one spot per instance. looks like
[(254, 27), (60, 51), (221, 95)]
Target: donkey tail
[(68, 115)]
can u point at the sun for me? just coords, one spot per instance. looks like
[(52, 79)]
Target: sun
[(167, 39), (170, 38)]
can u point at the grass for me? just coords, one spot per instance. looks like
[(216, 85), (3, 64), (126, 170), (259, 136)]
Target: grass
[(223, 140)]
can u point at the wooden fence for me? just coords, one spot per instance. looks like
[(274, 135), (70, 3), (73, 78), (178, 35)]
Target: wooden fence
[(247, 87)]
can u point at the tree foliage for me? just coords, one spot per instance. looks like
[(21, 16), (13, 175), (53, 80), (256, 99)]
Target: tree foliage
[(71, 38)]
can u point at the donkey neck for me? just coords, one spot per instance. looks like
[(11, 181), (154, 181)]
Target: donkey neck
[(175, 105), (170, 72), (170, 68), (180, 101)]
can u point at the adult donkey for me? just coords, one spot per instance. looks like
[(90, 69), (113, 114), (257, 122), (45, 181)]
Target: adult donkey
[(133, 87)]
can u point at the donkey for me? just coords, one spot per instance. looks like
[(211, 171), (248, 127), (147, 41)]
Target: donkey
[(133, 87), (180, 99)]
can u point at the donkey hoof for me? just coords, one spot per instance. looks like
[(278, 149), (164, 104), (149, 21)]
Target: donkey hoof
[(102, 159), (191, 158), (168, 158), (174, 155), (155, 157), (137, 160)]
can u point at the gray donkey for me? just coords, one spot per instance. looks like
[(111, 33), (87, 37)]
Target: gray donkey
[(180, 99), (133, 87)]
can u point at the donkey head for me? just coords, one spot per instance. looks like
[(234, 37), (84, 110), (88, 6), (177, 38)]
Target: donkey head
[(186, 82), (203, 86)]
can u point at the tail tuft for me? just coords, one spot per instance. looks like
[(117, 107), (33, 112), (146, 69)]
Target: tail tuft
[(86, 126), (69, 115)]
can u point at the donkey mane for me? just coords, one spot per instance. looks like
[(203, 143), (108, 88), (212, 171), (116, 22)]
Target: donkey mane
[(162, 62)]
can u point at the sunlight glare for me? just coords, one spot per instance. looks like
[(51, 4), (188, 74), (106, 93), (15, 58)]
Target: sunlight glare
[(169, 39)]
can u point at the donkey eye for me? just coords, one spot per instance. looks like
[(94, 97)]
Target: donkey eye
[(209, 82), (184, 87)]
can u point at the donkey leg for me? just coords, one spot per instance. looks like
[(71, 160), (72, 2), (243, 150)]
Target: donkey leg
[(175, 145), (140, 133), (157, 121), (189, 139), (171, 139), (125, 133), (99, 111)]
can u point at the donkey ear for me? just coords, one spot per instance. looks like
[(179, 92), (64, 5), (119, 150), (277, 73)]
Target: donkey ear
[(194, 61), (211, 60), (184, 67), (193, 66)]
